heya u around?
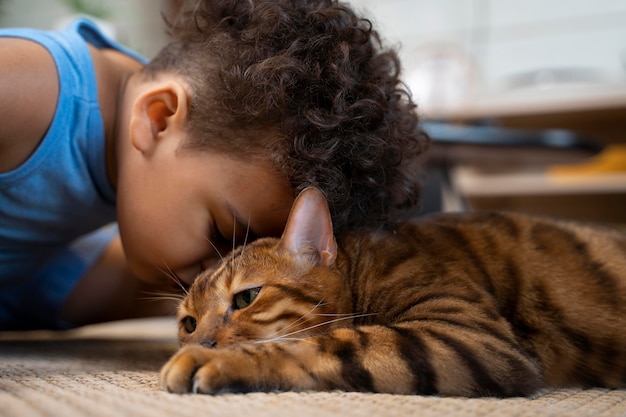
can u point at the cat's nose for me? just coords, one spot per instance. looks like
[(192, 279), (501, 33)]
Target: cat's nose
[(208, 343)]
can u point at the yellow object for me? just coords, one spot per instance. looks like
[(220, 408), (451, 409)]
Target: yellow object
[(612, 159)]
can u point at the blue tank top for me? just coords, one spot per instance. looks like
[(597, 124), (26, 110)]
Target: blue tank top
[(61, 192)]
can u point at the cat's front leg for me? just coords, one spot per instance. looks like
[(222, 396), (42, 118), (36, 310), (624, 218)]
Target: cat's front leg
[(198, 369)]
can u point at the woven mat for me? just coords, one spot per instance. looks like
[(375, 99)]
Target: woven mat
[(112, 370)]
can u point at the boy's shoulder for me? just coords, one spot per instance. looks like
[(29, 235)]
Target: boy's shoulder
[(30, 88)]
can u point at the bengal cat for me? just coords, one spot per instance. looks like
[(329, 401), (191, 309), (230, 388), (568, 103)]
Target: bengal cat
[(458, 304)]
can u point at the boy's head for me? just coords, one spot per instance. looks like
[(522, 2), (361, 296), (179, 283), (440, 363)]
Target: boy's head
[(306, 86)]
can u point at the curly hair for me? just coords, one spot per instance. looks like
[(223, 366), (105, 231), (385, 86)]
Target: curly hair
[(308, 85)]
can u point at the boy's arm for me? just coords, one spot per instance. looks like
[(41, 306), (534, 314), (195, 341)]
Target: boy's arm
[(29, 90), (109, 291)]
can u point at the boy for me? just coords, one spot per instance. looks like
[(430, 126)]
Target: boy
[(199, 150)]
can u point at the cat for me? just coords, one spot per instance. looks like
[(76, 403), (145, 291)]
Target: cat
[(475, 304)]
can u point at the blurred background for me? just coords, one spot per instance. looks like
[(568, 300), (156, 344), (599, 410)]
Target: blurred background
[(530, 96), (135, 23), (458, 52), (526, 101)]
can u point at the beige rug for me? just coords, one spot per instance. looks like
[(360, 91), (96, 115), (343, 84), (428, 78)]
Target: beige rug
[(112, 370)]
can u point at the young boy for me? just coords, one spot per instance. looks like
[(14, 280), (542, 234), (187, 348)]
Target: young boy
[(199, 150)]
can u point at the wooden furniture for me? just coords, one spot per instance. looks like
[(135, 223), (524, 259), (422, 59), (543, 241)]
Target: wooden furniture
[(498, 175)]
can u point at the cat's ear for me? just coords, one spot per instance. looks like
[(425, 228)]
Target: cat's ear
[(310, 228)]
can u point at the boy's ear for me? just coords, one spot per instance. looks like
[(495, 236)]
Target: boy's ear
[(160, 109), (309, 228)]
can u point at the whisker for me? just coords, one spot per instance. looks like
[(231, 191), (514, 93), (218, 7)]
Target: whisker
[(334, 314), (232, 253), (161, 296), (245, 240), (303, 317), (298, 321), (284, 339), (234, 239), (172, 275), (349, 317), (215, 248)]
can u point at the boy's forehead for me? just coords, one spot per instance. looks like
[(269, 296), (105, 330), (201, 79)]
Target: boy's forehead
[(257, 195)]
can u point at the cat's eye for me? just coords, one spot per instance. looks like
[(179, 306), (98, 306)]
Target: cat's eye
[(189, 324), (244, 298)]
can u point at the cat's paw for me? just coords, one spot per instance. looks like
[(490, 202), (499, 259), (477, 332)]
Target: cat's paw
[(199, 370)]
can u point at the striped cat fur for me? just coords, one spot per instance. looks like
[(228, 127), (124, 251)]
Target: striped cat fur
[(476, 304)]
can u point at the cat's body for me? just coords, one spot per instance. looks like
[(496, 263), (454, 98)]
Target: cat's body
[(472, 305)]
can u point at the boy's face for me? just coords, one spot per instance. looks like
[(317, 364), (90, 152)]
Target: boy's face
[(180, 211)]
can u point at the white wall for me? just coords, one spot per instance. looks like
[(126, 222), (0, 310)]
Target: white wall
[(464, 49), (454, 51), (136, 23)]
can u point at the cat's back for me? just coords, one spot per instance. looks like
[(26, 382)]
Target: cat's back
[(507, 249), (515, 234), (496, 236), (561, 285)]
